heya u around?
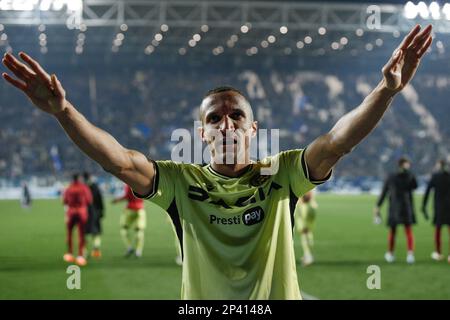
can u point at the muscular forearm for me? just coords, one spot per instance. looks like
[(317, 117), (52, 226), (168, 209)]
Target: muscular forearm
[(353, 127), (96, 143)]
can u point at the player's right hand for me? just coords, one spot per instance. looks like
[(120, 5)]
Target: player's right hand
[(377, 220), (44, 91), (376, 216)]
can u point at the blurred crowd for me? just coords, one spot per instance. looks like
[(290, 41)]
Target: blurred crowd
[(142, 107)]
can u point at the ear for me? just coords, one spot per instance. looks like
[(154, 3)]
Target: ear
[(201, 133), (254, 128)]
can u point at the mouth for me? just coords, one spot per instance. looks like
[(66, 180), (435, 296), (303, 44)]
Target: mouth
[(226, 142)]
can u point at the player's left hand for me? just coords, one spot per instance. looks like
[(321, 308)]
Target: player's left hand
[(406, 58)]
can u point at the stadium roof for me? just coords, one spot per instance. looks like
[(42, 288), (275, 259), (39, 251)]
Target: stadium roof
[(124, 29)]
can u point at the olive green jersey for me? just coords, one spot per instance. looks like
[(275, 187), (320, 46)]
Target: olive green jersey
[(236, 232)]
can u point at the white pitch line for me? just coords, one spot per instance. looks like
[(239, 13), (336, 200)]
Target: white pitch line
[(307, 296)]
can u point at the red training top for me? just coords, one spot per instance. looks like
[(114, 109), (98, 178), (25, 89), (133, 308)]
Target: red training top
[(133, 202), (77, 197)]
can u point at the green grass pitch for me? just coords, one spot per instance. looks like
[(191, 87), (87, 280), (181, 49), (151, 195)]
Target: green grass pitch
[(346, 243)]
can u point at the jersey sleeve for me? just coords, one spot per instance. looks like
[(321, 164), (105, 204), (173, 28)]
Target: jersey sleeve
[(166, 174), (293, 164)]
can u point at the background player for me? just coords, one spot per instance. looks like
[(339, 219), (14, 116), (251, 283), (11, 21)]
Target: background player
[(77, 198), (25, 196), (399, 186), (133, 218), (305, 217), (440, 183), (96, 209)]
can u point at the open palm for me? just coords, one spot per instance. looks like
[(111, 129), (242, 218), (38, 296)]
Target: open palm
[(406, 58), (44, 91)]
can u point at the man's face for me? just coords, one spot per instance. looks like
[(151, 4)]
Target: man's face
[(227, 127), (406, 165)]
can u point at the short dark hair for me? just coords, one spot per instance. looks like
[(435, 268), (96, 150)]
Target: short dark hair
[(75, 177), (219, 90), (223, 89), (402, 161)]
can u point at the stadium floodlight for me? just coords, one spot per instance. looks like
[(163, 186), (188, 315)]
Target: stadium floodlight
[(283, 29), (446, 11), (308, 39), (164, 27), (423, 10), (410, 10), (244, 28), (196, 37), (271, 39), (300, 44), (322, 31), (359, 32), (123, 27), (192, 43), (158, 37), (204, 28), (149, 49), (264, 44), (45, 5), (434, 9), (335, 45), (343, 41), (20, 5), (74, 5), (58, 5)]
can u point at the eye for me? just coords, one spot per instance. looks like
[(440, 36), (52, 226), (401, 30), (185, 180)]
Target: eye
[(214, 118), (236, 115)]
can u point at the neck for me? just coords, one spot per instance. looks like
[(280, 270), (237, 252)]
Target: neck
[(230, 170)]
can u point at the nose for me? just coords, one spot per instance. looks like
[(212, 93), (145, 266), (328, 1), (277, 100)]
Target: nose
[(226, 124)]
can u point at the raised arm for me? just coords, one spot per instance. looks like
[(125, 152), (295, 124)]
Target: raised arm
[(324, 152), (47, 93)]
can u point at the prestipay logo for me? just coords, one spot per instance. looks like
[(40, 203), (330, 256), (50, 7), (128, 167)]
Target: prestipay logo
[(250, 217)]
